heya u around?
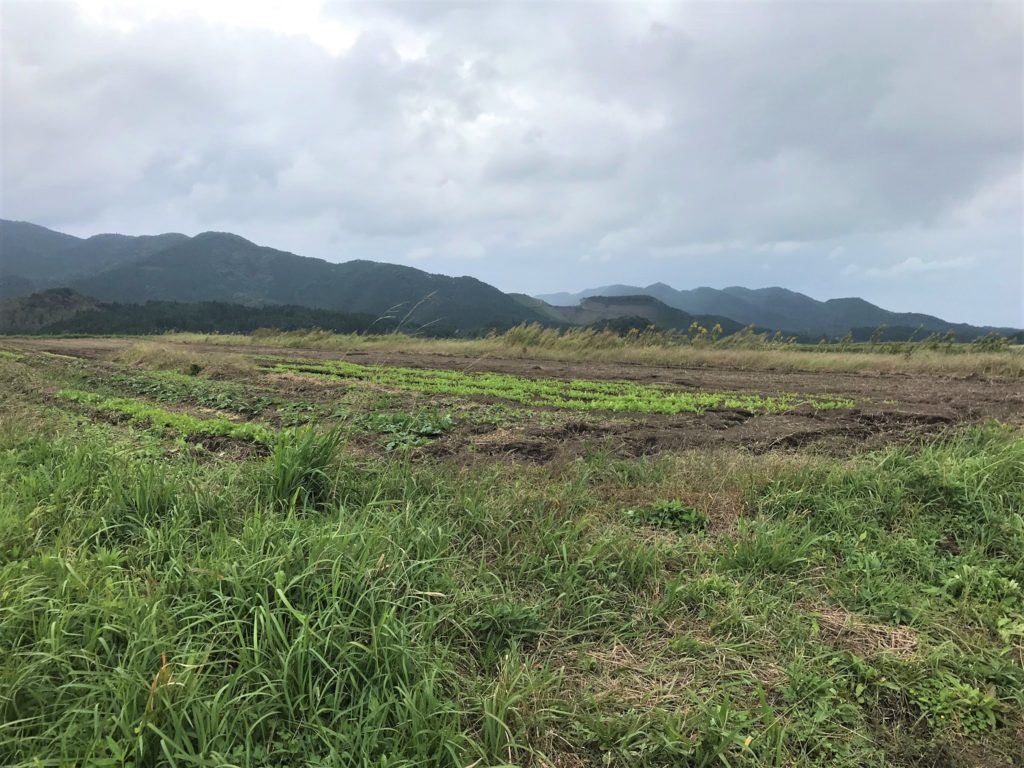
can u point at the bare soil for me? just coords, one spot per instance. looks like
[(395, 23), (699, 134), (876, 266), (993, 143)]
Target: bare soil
[(889, 408)]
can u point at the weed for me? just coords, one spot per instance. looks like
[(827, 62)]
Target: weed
[(673, 515), (948, 702), (173, 387), (297, 473), (321, 606)]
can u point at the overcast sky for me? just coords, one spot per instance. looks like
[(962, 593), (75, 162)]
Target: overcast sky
[(870, 149)]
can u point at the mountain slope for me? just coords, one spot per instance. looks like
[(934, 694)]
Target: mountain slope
[(62, 310), (595, 309), (29, 251), (221, 267), (34, 255), (217, 266)]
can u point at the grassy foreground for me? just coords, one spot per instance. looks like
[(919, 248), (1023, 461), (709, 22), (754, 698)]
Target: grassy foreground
[(318, 606)]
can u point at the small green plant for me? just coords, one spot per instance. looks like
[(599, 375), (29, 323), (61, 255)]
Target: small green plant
[(672, 515), (948, 702), (496, 626), (409, 430), (296, 413), (173, 387)]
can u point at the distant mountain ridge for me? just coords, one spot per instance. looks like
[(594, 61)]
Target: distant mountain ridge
[(780, 309), (595, 309), (224, 268)]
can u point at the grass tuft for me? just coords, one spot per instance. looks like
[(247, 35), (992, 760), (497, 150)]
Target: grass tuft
[(297, 473)]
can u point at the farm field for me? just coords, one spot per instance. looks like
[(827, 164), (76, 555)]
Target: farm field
[(231, 552)]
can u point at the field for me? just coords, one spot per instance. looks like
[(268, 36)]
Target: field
[(326, 551)]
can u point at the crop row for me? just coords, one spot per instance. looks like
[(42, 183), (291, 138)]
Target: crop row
[(173, 387), (172, 421), (576, 394)]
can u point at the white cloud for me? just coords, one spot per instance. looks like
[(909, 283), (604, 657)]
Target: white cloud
[(677, 142), (909, 266), (917, 265)]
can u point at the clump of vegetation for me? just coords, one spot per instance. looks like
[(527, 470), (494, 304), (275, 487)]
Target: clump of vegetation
[(297, 473), (579, 394), (671, 515), (175, 357), (409, 430), (949, 703)]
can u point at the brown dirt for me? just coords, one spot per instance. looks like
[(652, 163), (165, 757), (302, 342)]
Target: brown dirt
[(890, 408), (229, 447)]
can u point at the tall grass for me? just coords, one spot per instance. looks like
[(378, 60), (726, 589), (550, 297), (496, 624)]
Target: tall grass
[(317, 607), (298, 473)]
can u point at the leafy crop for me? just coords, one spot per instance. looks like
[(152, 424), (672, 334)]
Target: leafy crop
[(408, 430), (173, 421), (578, 394), (173, 387)]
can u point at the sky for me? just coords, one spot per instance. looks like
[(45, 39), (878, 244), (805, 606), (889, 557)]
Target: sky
[(839, 149)]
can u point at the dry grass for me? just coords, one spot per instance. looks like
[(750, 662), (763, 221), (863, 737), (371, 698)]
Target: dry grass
[(175, 357), (1007, 364), (865, 638), (642, 673), (718, 483)]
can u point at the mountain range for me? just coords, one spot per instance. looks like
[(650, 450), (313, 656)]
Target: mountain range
[(108, 273), (782, 309), (222, 267)]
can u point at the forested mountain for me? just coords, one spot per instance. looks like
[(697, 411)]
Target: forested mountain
[(222, 267), (780, 309), (42, 256), (62, 310), (595, 309)]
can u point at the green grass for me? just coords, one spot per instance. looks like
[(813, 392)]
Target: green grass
[(321, 606), (580, 395), (182, 424)]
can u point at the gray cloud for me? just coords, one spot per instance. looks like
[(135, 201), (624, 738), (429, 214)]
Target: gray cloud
[(833, 148)]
